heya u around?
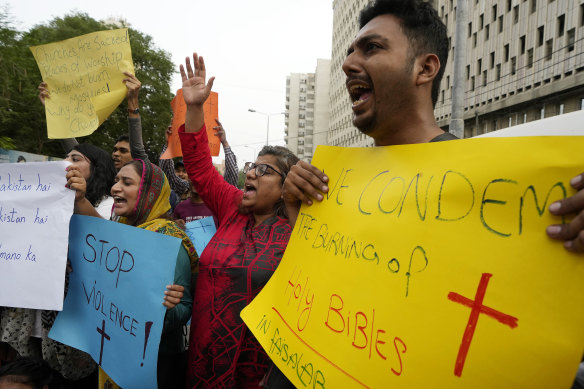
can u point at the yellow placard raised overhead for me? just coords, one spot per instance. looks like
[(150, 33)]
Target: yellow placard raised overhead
[(429, 265), (85, 80)]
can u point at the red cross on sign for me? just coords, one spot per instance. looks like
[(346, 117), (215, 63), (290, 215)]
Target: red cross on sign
[(477, 308)]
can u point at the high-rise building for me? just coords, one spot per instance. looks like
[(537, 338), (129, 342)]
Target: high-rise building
[(307, 110), (524, 61)]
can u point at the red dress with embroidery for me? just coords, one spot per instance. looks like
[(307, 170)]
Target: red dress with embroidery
[(233, 269)]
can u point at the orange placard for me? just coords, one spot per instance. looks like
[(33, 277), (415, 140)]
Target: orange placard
[(179, 109)]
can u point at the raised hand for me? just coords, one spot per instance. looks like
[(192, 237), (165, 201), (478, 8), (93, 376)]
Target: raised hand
[(168, 132), (194, 89), (133, 85), (43, 92), (220, 133)]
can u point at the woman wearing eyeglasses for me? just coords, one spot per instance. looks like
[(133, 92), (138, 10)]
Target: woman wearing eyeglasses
[(240, 258)]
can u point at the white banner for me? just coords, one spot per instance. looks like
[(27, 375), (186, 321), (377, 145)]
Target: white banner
[(35, 208)]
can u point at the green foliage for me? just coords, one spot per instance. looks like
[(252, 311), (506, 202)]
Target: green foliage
[(6, 143), (240, 179), (22, 117)]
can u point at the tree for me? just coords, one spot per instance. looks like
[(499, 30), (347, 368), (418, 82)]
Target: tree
[(11, 73), (26, 123), (240, 179)]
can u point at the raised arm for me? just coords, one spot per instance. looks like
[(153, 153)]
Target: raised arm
[(230, 175), (177, 184), (221, 197), (134, 122)]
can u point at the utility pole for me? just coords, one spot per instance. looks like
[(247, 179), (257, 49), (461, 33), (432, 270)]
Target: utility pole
[(458, 84)]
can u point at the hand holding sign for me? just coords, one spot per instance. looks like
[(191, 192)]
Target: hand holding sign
[(113, 308), (571, 233), (85, 80), (418, 259)]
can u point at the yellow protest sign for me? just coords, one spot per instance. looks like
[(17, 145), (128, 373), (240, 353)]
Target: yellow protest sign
[(85, 80), (428, 265)]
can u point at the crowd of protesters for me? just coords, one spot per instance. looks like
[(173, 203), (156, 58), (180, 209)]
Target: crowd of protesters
[(393, 68)]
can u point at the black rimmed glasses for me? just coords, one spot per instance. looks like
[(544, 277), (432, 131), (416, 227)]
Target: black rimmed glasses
[(260, 169)]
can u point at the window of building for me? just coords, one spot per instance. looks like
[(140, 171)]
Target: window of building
[(472, 83), (549, 49), (442, 98), (470, 29), (447, 82), (508, 5), (446, 19), (561, 25), (561, 109), (481, 21), (492, 60), (515, 14), (582, 104), (530, 58), (468, 72), (479, 66), (494, 13), (484, 78), (524, 117), (510, 121), (581, 15), (500, 23), (522, 45), (506, 56), (474, 40), (487, 32), (542, 112), (570, 39), (540, 36), (533, 5), (498, 71), (513, 65)]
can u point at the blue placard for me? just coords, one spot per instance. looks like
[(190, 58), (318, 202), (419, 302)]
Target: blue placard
[(201, 231), (113, 309)]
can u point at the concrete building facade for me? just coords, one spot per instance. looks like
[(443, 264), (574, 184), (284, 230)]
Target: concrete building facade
[(524, 61), (345, 27), (307, 110)]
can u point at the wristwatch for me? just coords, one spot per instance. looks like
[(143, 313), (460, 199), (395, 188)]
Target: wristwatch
[(135, 111)]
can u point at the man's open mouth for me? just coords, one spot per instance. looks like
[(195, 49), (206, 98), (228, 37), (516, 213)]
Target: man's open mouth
[(359, 91)]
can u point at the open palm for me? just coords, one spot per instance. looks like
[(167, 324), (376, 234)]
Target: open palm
[(194, 89)]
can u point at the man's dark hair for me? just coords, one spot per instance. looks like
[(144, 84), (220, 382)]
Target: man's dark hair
[(178, 164), (123, 138), (421, 25), (27, 371), (102, 170)]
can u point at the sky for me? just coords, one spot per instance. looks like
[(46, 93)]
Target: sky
[(249, 46)]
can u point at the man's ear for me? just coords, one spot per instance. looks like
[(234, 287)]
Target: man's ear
[(428, 66)]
